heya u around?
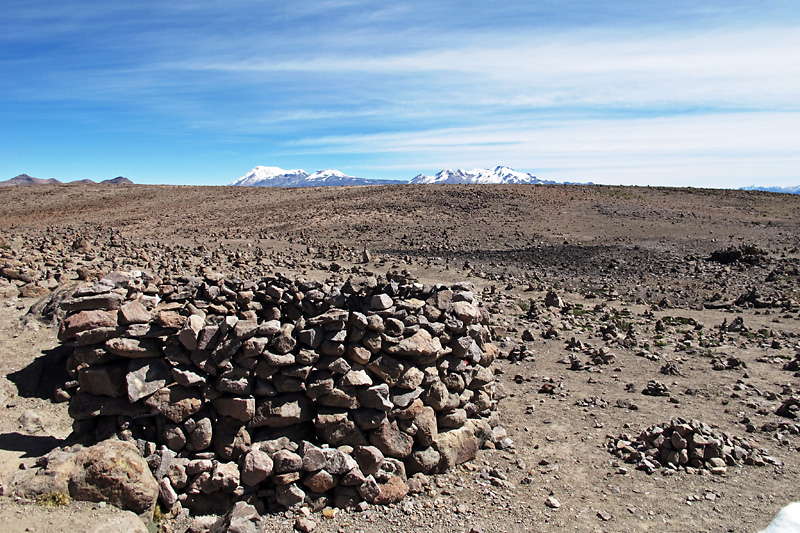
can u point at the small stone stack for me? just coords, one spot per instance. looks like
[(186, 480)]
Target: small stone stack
[(282, 391), (692, 446)]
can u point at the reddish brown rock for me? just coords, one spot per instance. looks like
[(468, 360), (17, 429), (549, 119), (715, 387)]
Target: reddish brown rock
[(392, 491), (114, 471), (86, 320), (391, 441), (176, 403)]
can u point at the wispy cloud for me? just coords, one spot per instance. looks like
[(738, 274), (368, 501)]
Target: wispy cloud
[(608, 91), (725, 149)]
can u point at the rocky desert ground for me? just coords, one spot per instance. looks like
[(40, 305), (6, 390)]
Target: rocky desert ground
[(632, 323)]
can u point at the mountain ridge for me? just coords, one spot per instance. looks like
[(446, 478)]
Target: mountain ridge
[(792, 189), (25, 180), (263, 176), (497, 175)]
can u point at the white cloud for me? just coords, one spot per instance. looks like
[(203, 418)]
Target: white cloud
[(714, 150), (723, 68)]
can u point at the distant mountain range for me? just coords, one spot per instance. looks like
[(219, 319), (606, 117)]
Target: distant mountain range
[(498, 174), (262, 176), (278, 177), (24, 179), (787, 190)]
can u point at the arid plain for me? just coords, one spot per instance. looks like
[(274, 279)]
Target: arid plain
[(669, 303)]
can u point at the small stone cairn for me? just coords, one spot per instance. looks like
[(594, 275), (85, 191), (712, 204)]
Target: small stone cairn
[(692, 446), (282, 392)]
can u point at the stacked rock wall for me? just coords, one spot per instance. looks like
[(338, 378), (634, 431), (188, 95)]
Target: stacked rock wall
[(282, 391)]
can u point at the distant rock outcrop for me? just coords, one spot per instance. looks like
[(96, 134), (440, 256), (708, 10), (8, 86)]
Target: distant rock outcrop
[(119, 180), (24, 179)]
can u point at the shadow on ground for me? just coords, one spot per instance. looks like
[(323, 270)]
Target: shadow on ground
[(32, 445), (44, 375)]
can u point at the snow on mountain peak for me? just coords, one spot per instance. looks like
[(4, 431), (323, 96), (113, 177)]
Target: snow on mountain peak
[(499, 174), (262, 176), (328, 173)]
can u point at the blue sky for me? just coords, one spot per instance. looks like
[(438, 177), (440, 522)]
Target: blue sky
[(699, 93)]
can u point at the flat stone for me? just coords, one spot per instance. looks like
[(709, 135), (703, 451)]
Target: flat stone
[(134, 348), (96, 335), (405, 399), (356, 378), (176, 403), (239, 408), (106, 301), (146, 376), (86, 320), (282, 412), (133, 312)]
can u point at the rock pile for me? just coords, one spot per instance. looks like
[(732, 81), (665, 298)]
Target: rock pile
[(692, 446), (282, 391)]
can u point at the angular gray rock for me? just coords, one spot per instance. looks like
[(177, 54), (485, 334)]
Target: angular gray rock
[(146, 376)]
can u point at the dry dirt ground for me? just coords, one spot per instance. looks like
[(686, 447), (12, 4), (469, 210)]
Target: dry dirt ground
[(652, 276)]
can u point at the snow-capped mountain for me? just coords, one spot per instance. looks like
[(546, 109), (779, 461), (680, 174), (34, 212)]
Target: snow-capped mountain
[(788, 190), (271, 177), (499, 174), (278, 177)]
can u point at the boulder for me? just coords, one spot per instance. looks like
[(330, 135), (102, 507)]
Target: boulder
[(113, 471)]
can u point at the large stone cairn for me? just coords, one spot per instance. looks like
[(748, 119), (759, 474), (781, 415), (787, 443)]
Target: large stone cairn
[(281, 392)]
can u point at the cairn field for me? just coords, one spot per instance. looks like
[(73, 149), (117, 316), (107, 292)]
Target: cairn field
[(637, 329)]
